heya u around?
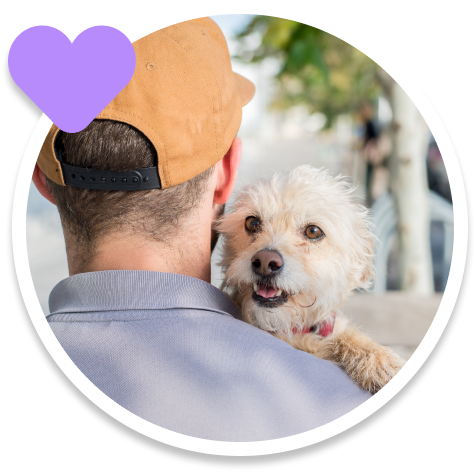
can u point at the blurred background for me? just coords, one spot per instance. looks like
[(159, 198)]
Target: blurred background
[(320, 101)]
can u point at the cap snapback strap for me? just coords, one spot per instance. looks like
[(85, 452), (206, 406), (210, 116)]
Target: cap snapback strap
[(141, 179)]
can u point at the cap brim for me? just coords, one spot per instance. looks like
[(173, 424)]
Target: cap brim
[(246, 89)]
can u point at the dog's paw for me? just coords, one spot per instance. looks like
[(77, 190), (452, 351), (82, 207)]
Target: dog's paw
[(375, 368), (366, 362)]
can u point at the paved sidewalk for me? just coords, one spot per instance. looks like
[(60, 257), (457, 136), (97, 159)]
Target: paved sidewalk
[(396, 319)]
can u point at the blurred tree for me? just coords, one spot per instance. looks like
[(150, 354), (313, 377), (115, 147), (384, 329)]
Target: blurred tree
[(318, 70), (409, 186), (327, 75)]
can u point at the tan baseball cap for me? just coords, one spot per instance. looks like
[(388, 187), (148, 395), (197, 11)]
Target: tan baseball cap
[(183, 96)]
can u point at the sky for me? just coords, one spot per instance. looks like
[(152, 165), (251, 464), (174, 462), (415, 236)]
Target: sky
[(231, 24)]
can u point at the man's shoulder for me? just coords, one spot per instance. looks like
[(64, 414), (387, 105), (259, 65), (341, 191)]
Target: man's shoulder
[(183, 362)]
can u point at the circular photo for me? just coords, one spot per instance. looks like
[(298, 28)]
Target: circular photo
[(248, 245)]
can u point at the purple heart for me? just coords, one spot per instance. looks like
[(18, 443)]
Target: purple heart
[(72, 82)]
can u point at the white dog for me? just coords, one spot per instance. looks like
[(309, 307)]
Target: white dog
[(295, 247)]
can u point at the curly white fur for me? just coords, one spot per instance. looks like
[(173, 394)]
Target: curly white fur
[(317, 275)]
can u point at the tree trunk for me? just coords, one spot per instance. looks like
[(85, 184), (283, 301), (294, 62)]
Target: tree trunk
[(409, 186)]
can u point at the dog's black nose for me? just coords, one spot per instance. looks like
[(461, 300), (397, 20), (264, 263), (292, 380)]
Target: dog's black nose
[(266, 263)]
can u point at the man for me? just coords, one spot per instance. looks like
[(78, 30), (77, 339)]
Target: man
[(137, 192)]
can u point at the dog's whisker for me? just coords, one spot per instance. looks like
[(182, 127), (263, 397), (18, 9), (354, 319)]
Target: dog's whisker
[(308, 306)]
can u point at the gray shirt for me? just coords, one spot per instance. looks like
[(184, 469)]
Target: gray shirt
[(173, 350)]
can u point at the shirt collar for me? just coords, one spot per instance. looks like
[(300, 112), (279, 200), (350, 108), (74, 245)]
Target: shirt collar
[(123, 290)]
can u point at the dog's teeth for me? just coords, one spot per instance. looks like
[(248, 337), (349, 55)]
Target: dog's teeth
[(255, 287), (278, 293)]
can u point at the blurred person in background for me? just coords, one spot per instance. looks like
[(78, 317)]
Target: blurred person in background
[(437, 176), (372, 152)]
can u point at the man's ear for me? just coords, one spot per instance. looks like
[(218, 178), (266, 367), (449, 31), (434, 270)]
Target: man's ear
[(227, 171), (39, 180)]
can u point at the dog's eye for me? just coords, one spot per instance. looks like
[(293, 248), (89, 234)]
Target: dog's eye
[(314, 232), (252, 224)]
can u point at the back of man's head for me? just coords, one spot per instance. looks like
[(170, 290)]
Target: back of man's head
[(177, 118), (90, 214)]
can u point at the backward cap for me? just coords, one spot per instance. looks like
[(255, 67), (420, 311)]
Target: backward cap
[(183, 96)]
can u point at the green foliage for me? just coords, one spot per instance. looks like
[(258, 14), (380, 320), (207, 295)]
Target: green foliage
[(318, 70)]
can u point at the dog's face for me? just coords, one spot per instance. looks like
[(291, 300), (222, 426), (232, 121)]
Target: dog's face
[(295, 246)]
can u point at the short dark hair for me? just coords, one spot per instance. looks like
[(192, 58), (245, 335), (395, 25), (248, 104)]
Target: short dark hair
[(91, 214)]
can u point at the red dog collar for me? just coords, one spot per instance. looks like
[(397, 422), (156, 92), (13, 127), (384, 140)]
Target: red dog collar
[(323, 329)]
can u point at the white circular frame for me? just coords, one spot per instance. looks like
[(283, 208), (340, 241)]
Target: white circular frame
[(260, 447)]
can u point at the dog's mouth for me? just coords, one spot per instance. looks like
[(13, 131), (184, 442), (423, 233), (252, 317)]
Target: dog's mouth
[(268, 295)]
